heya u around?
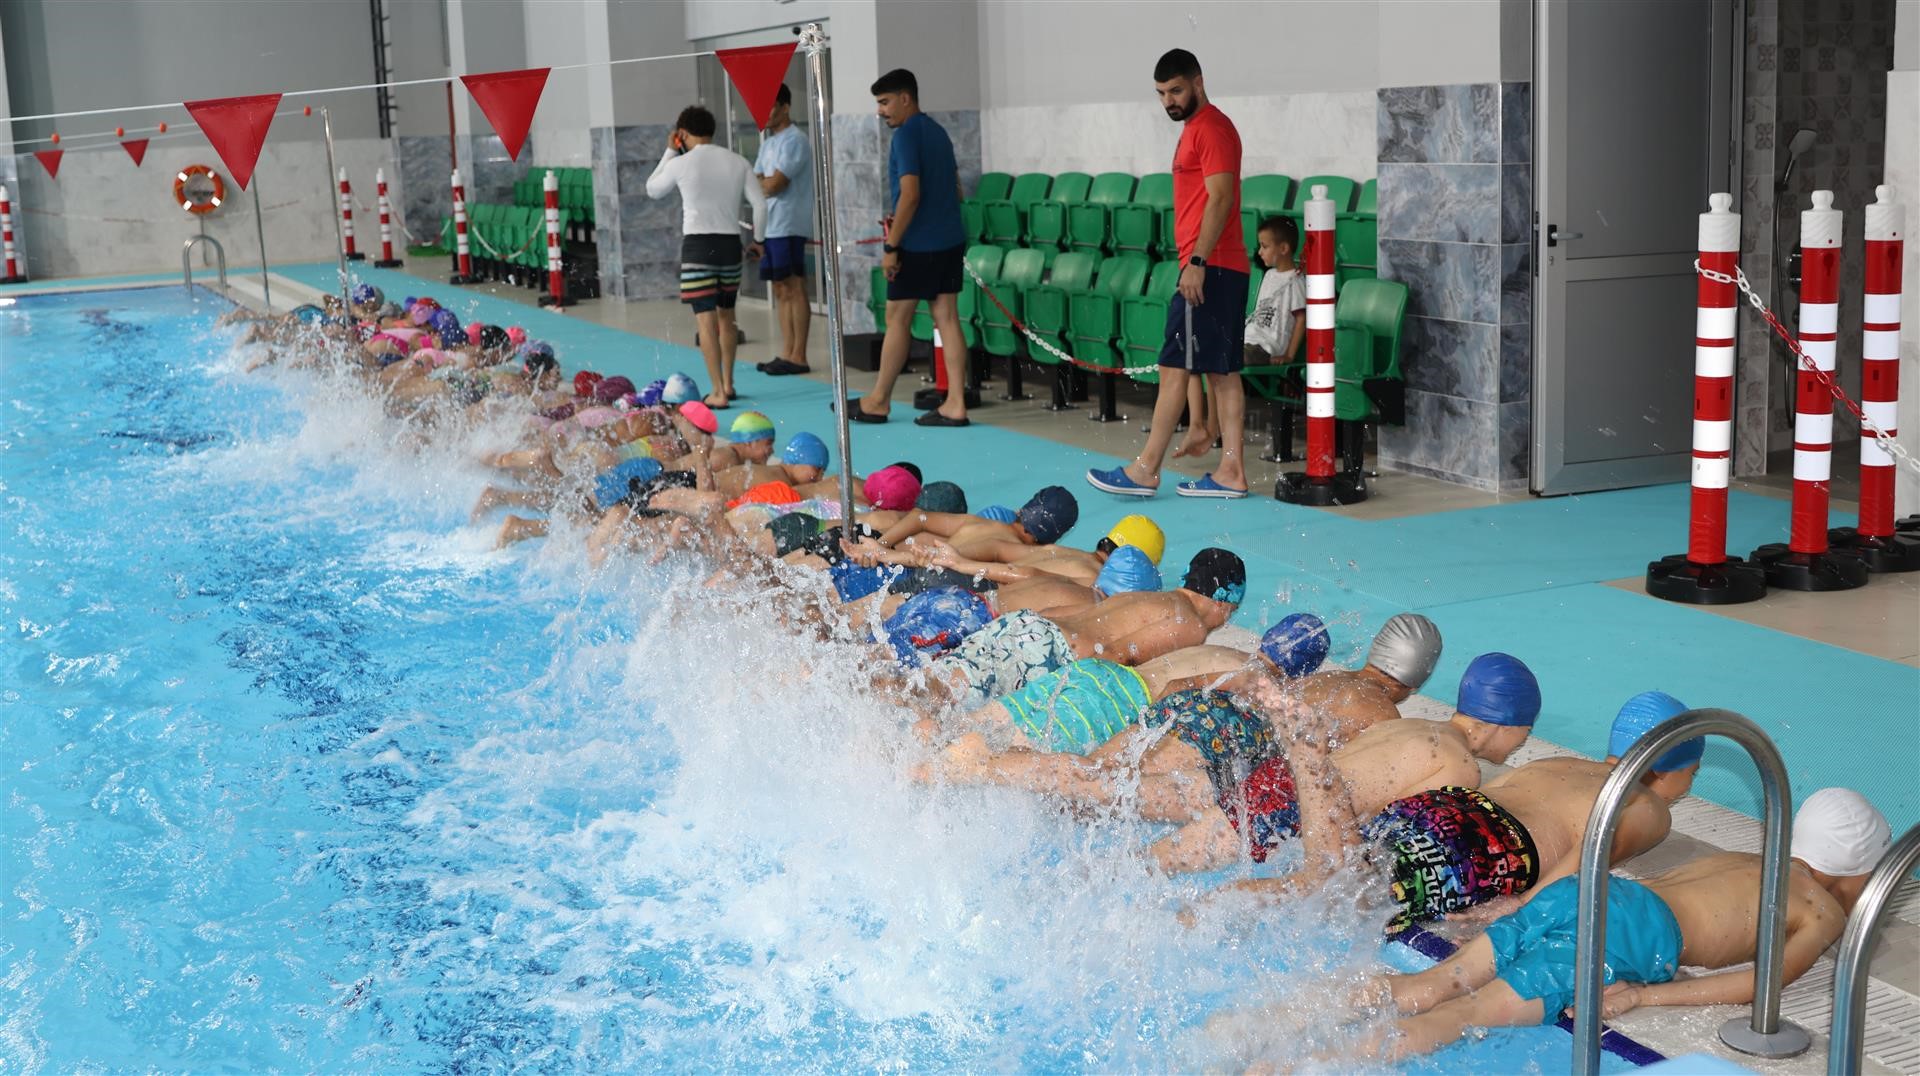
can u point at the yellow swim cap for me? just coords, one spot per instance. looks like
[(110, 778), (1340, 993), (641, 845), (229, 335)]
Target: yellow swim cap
[(1143, 534)]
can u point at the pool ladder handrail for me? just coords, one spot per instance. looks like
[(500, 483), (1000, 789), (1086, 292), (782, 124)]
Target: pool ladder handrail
[(1764, 1034), (1846, 1039), (186, 258)]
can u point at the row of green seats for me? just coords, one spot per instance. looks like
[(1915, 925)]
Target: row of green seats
[(506, 234), (576, 190)]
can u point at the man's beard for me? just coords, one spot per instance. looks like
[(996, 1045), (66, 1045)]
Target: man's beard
[(1178, 113)]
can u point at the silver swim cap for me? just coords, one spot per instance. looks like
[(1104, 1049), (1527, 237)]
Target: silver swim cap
[(1407, 649)]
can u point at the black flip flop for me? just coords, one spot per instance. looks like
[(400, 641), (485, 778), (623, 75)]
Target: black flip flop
[(935, 418), (855, 414), (783, 368)]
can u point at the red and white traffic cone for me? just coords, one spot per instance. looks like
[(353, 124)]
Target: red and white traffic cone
[(556, 274), (1806, 562), (1882, 544), (462, 259), (346, 219), (1704, 574), (1320, 484), (387, 260), (15, 275)]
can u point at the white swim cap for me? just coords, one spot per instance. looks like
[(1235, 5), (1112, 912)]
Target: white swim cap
[(1838, 832), (1407, 648)]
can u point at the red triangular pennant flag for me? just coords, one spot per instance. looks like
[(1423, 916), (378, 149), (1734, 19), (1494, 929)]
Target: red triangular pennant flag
[(508, 98), (757, 73), (50, 160), (237, 127), (136, 148)]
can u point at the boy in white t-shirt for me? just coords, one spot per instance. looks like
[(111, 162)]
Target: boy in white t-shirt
[(1274, 334)]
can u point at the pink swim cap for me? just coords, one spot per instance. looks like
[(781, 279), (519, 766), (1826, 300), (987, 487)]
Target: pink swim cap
[(517, 335), (892, 489), (473, 333), (700, 415)]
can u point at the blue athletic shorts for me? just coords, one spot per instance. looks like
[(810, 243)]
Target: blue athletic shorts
[(1219, 326), (786, 256)]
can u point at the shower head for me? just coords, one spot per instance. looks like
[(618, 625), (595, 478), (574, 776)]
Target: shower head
[(1802, 141)]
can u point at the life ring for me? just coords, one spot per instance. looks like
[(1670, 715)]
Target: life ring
[(199, 201)]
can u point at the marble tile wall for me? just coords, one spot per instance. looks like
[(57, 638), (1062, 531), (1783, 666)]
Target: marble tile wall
[(638, 237), (1758, 378), (1456, 192), (425, 195)]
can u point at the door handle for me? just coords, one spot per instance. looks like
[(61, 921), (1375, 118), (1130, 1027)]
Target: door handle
[(1554, 235)]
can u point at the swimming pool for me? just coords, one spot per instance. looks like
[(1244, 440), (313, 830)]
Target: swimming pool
[(302, 775)]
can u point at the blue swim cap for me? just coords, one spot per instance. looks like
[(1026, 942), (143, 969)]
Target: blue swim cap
[(307, 313), (535, 347), (1128, 569), (933, 622), (613, 484), (650, 395), (1500, 690), (679, 389), (366, 293), (1049, 515), (407, 303), (1639, 716), (446, 326), (1297, 644), (999, 513), (805, 450)]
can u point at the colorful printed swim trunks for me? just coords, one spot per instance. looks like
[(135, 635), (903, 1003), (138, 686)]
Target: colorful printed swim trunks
[(1453, 848)]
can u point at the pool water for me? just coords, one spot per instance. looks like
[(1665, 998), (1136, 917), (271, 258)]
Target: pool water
[(300, 774)]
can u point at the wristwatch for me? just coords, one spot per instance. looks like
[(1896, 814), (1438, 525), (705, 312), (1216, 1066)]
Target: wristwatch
[(889, 248), (1197, 260)]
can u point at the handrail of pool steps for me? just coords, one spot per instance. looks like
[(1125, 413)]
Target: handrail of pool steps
[(1846, 1040), (1764, 1034), (186, 259)]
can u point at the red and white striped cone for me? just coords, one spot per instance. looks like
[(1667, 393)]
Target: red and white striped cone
[(1320, 484), (15, 275), (387, 260), (346, 219), (462, 258), (1704, 574), (1882, 544), (556, 274), (1805, 562)]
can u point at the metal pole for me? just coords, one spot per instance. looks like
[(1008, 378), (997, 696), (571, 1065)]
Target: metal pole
[(814, 41), (260, 233), (1846, 1040), (339, 239), (1765, 1034)]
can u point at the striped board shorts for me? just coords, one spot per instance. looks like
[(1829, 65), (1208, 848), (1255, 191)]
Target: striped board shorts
[(710, 271)]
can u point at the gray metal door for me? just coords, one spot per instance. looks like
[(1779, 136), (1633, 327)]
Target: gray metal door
[(1635, 123)]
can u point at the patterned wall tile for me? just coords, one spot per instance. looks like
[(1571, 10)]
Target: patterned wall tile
[(1439, 124)]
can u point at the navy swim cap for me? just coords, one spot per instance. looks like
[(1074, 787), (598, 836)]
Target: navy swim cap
[(1298, 644), (805, 450), (1500, 690), (1639, 716), (999, 513), (1128, 569), (1219, 574), (933, 622), (942, 497), (1049, 515), (364, 294)]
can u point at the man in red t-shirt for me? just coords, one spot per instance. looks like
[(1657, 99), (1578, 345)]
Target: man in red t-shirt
[(1207, 316)]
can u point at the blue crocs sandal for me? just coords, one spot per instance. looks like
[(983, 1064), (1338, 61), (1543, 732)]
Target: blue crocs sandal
[(1117, 482), (1207, 487)]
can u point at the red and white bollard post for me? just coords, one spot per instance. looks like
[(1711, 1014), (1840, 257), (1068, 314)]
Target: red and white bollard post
[(346, 218), (1321, 483), (1704, 574), (462, 258), (387, 260), (14, 273), (1882, 544), (1805, 562), (556, 273)]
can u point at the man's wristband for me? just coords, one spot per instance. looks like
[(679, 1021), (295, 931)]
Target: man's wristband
[(889, 248), (1197, 260)]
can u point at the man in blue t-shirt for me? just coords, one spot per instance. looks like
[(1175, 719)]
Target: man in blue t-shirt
[(925, 250), (785, 170)]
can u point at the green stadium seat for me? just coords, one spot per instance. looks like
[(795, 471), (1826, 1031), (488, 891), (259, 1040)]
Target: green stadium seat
[(1088, 221), (1069, 187), (1020, 271), (985, 260), (1093, 316), (1143, 320), (1136, 225), (993, 187), (973, 220), (1339, 188), (877, 298), (1168, 245), (1267, 194), (1047, 218), (1368, 203), (1047, 304), (1007, 217)]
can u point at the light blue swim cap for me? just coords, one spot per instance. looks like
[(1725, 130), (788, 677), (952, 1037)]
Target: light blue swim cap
[(1128, 569), (1297, 644), (680, 389), (1500, 690), (613, 484), (307, 313), (805, 450), (1639, 716), (999, 513)]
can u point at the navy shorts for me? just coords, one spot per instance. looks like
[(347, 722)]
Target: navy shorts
[(1219, 326), (786, 256), (929, 274)]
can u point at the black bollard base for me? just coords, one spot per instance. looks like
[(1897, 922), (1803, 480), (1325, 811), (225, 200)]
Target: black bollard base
[(1345, 487), (356, 256), (1897, 552), (1788, 570), (388, 263), (15, 279), (555, 300), (1732, 582), (458, 279)]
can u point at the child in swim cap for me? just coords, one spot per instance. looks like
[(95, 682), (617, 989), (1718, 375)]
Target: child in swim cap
[(942, 497), (1127, 571), (1137, 531), (752, 436), (892, 489), (1297, 645), (1498, 690)]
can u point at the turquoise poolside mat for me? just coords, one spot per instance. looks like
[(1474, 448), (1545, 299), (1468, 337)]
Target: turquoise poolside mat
[(1520, 577)]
